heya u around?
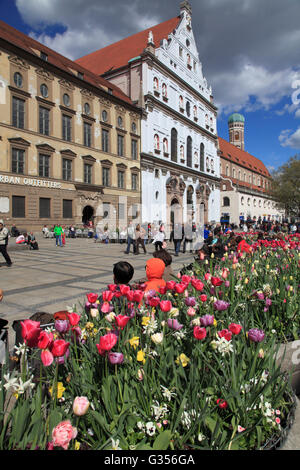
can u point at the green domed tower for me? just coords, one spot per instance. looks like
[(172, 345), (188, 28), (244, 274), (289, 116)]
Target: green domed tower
[(236, 126)]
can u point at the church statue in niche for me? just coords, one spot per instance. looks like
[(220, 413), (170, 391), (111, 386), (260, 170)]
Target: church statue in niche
[(164, 90), (156, 142), (165, 145)]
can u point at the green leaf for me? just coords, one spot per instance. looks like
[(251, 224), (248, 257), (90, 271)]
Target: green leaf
[(162, 441)]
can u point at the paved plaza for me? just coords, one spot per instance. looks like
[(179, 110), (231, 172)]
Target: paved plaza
[(53, 278)]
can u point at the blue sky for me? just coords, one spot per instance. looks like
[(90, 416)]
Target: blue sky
[(249, 50)]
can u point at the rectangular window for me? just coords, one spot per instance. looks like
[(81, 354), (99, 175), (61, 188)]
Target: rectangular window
[(105, 140), (66, 127), (44, 120), (121, 179), (121, 211), (44, 207), (87, 134), (66, 169), (134, 181), (105, 176), (67, 209), (134, 149), (18, 161), (88, 173), (44, 165), (120, 145), (18, 206), (18, 112)]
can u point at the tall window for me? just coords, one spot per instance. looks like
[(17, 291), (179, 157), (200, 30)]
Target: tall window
[(189, 158), (18, 206), (226, 201), (120, 145), (121, 179), (66, 169), (134, 149), (18, 161), (134, 181), (44, 120), (44, 207), (87, 134), (105, 140), (174, 135), (67, 208), (66, 127), (18, 112), (44, 165), (88, 173), (202, 157), (105, 176)]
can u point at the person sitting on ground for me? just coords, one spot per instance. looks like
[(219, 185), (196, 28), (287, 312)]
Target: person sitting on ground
[(218, 249), (155, 268), (123, 272), (242, 245), (31, 241), (167, 259), (203, 253), (14, 231)]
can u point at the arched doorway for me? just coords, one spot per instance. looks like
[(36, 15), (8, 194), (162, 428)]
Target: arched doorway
[(88, 215), (175, 212)]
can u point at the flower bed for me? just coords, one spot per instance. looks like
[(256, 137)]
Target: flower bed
[(190, 367)]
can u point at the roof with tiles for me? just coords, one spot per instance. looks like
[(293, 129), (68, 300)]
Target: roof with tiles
[(120, 53), (242, 158), (22, 41)]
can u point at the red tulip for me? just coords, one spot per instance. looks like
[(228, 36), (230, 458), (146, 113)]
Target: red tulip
[(124, 289), (170, 285), (216, 281), (165, 305), (107, 295), (45, 340), (203, 297), (225, 334), (30, 332), (59, 347), (186, 279), (153, 301), (138, 296), (92, 298), (207, 276), (112, 287), (197, 284), (235, 328), (199, 333), (180, 288), (73, 318), (163, 290), (121, 321), (222, 403), (47, 357), (107, 342), (129, 295)]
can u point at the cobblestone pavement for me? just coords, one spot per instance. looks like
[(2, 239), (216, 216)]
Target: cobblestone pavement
[(52, 278)]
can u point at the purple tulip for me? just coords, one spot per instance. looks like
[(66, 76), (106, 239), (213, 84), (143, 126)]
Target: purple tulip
[(221, 305), (61, 326), (256, 335), (174, 324), (115, 357), (190, 301), (61, 359), (212, 291), (207, 320), (260, 296)]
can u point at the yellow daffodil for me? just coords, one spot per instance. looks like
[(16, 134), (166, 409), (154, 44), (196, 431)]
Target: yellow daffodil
[(141, 356), (183, 360), (134, 341), (246, 280), (215, 322), (77, 445), (145, 321), (60, 390)]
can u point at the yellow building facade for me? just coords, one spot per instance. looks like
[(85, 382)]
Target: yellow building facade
[(69, 141)]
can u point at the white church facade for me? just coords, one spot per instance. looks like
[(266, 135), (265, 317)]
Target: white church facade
[(161, 73)]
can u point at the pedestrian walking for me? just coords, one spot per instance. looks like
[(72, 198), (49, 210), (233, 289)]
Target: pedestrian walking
[(130, 238), (4, 243), (58, 235), (159, 238), (140, 239)]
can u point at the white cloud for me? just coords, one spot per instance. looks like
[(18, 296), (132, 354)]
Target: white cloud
[(288, 138), (251, 87)]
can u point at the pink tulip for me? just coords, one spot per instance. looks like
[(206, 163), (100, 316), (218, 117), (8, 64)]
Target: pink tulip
[(46, 357), (63, 433), (80, 406)]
